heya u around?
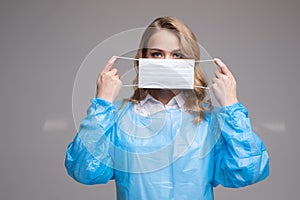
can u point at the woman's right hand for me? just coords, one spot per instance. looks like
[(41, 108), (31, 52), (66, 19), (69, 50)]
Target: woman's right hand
[(108, 82)]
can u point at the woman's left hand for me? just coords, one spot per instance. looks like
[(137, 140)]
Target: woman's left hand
[(224, 85)]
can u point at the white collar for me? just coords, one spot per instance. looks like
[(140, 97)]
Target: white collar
[(178, 100)]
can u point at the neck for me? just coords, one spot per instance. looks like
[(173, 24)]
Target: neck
[(163, 95)]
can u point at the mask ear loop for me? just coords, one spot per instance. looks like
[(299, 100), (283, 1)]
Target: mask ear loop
[(207, 88), (127, 58), (203, 61), (134, 59)]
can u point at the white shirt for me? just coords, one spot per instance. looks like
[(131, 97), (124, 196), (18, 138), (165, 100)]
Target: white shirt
[(150, 105)]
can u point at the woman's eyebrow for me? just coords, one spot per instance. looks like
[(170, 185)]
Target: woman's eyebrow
[(176, 50), (157, 49)]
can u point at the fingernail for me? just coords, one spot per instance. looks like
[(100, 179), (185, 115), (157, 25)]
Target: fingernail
[(112, 59)]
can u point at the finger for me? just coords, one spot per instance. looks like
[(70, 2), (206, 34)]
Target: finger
[(112, 72), (214, 80), (218, 74), (109, 64), (223, 67), (221, 77)]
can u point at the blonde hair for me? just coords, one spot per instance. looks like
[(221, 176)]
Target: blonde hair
[(195, 101)]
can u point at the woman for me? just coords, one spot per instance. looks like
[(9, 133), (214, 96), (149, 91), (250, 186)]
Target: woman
[(167, 143)]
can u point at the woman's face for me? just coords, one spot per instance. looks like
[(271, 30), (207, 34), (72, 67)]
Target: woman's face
[(164, 45)]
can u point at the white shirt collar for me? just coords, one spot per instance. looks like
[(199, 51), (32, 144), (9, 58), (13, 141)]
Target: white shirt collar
[(177, 100)]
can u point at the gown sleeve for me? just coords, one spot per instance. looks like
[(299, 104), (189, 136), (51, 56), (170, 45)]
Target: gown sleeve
[(89, 157), (241, 158)]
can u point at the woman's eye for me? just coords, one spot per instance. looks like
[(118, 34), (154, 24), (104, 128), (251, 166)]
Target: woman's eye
[(156, 54), (177, 55)]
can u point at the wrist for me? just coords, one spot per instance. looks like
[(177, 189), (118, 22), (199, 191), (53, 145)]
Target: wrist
[(230, 102), (105, 98)]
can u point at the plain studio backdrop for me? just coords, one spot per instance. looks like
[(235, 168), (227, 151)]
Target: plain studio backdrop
[(43, 44)]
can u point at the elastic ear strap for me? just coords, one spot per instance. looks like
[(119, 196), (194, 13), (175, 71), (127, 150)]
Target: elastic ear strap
[(201, 87), (127, 58), (202, 61), (132, 85)]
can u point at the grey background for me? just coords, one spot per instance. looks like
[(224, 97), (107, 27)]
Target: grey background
[(44, 42)]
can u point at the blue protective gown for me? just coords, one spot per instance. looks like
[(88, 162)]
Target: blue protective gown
[(166, 156)]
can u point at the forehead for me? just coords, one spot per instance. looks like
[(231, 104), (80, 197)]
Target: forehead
[(164, 40)]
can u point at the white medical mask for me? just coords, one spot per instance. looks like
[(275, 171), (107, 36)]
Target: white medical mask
[(166, 73)]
